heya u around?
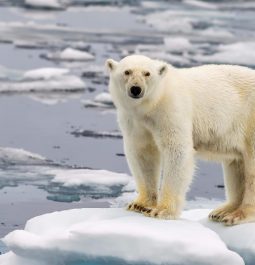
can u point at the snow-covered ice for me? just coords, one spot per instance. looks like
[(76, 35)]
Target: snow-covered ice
[(239, 238), (43, 80), (95, 134), (102, 100), (19, 156), (51, 4), (45, 73), (88, 177), (201, 4), (114, 236), (63, 83), (19, 166), (70, 54), (236, 53), (177, 43), (170, 21)]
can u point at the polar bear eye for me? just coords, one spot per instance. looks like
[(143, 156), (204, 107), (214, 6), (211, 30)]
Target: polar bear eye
[(147, 73), (127, 72)]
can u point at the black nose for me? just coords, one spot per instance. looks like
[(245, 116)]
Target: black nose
[(135, 91)]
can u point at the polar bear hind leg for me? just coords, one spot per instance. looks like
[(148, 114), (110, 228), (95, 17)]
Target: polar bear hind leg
[(246, 211), (234, 185)]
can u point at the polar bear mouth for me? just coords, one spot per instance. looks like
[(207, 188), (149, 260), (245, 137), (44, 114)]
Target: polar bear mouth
[(135, 92)]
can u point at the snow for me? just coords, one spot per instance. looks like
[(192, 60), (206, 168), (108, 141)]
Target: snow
[(70, 54), (236, 53), (51, 4), (114, 236)]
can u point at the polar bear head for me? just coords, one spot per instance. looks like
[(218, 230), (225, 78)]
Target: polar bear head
[(135, 77)]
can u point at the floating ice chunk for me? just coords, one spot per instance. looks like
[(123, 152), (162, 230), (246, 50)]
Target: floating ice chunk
[(216, 33), (114, 236), (19, 156), (58, 83), (103, 100), (51, 4), (177, 44), (170, 21), (45, 73), (236, 53), (70, 54), (201, 4), (94, 134), (87, 177)]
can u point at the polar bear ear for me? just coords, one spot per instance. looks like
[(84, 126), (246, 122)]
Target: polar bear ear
[(111, 64), (162, 69)]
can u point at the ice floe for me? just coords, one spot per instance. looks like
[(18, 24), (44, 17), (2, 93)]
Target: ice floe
[(170, 21), (94, 134), (49, 4), (114, 236), (63, 83), (15, 156), (61, 182), (88, 177), (236, 53), (70, 54), (177, 44), (45, 73), (102, 100), (201, 4), (43, 80)]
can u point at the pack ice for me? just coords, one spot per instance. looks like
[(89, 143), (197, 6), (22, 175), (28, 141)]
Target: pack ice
[(115, 236)]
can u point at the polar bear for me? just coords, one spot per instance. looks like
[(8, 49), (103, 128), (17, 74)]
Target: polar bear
[(169, 115)]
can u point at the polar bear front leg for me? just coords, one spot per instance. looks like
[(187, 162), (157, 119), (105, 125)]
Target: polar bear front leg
[(178, 167), (144, 162)]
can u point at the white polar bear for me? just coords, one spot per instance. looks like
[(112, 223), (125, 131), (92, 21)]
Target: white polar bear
[(168, 115)]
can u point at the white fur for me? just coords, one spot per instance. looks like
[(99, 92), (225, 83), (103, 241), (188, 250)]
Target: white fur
[(208, 111)]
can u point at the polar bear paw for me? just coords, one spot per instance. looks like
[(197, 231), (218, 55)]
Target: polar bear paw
[(136, 207), (240, 216), (160, 213), (218, 214)]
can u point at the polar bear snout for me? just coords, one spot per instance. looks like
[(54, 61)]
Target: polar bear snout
[(135, 92)]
